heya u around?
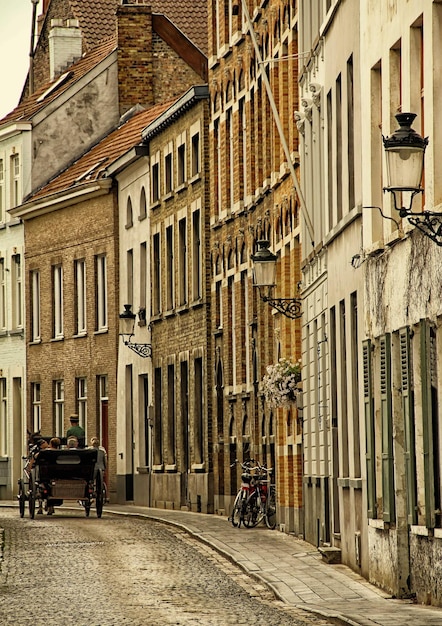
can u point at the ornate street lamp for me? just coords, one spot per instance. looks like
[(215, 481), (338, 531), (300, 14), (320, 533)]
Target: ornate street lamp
[(404, 152), (264, 276), (127, 326)]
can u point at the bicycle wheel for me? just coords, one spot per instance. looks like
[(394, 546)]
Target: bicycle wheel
[(236, 516), (252, 515), (270, 510)]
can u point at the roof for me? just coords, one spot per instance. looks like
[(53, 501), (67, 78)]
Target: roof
[(92, 165), (93, 29), (31, 106), (190, 16)]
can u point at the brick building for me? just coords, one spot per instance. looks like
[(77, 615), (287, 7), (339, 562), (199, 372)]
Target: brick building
[(164, 410), (253, 198)]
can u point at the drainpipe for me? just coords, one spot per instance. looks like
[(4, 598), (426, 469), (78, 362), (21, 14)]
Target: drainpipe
[(31, 48)]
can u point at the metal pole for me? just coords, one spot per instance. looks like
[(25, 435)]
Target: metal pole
[(304, 210)]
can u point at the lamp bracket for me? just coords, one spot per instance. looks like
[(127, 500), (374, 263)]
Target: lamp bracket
[(142, 349), (429, 223), (290, 307)]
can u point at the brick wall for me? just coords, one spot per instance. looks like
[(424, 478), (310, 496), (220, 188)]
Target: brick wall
[(78, 232)]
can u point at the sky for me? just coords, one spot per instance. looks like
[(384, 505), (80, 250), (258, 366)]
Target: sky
[(15, 38)]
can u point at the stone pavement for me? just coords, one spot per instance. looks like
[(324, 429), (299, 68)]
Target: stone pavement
[(294, 570)]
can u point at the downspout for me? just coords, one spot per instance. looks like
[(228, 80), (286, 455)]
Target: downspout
[(31, 48), (304, 210)]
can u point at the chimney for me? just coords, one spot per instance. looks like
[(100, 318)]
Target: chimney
[(135, 80), (65, 45)]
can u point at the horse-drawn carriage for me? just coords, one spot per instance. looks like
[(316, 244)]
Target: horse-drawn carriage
[(52, 476)]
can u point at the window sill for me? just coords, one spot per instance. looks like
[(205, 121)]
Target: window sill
[(181, 188), (155, 204), (198, 467), (168, 196), (55, 339), (16, 332), (35, 342), (157, 468), (142, 217), (79, 335), (195, 179), (170, 468), (102, 331)]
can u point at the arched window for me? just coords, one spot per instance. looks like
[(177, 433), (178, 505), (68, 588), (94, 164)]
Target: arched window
[(143, 205), (129, 213)]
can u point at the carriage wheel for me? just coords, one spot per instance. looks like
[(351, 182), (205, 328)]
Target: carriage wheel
[(21, 498), (99, 495), (31, 498)]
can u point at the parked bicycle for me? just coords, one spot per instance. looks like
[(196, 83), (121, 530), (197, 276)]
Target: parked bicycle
[(241, 498), (256, 498)]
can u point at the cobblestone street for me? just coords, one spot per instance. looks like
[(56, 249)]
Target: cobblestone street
[(68, 570)]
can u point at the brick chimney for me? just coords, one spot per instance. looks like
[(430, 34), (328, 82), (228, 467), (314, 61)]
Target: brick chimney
[(65, 43), (135, 68)]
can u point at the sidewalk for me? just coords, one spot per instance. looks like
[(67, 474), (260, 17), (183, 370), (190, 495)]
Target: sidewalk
[(294, 570)]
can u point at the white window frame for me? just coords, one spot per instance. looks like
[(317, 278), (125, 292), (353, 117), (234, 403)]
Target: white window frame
[(17, 294), (59, 407), (57, 271), (3, 417), (80, 296), (36, 406), (35, 306), (101, 291), (81, 384), (15, 180)]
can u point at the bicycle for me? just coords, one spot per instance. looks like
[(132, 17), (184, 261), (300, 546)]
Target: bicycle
[(242, 496), (261, 503)]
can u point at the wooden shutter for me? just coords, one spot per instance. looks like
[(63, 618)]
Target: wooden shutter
[(370, 454), (408, 415), (427, 424), (387, 429)]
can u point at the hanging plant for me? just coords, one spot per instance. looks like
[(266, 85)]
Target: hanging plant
[(280, 384)]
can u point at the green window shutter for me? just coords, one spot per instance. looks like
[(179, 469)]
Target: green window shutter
[(370, 454), (408, 415), (427, 425), (387, 430)]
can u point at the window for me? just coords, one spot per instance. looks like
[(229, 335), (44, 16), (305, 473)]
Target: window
[(143, 274), (143, 208), (168, 177), (82, 401), (181, 163), (3, 418), (15, 180), (182, 260), (57, 294), (80, 296), (59, 407), (155, 182), (196, 254), (158, 419), (198, 425), (17, 294), (35, 305), (195, 154), (2, 295), (169, 269), (2, 180), (36, 406), (129, 213), (156, 278), (101, 291), (171, 428)]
